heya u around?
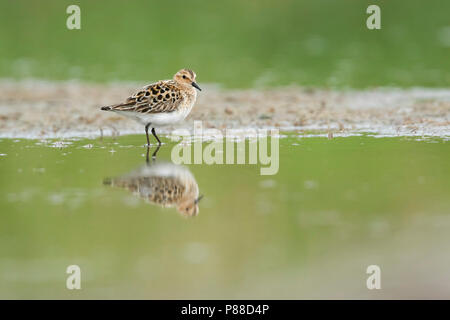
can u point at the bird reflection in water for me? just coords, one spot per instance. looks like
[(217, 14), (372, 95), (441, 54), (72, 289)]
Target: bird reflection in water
[(162, 183)]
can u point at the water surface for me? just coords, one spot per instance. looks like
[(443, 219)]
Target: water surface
[(335, 207)]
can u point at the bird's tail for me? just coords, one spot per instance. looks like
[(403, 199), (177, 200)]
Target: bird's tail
[(107, 108)]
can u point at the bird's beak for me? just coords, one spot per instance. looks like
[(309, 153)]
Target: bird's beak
[(195, 85), (198, 199)]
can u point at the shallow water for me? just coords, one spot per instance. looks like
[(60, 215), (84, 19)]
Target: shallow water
[(335, 207)]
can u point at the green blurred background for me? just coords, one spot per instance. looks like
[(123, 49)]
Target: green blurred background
[(335, 207), (232, 43)]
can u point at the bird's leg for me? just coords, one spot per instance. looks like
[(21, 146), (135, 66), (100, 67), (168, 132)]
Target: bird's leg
[(155, 152), (154, 133), (146, 156), (146, 133)]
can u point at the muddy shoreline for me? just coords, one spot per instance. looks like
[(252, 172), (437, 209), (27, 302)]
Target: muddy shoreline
[(41, 109)]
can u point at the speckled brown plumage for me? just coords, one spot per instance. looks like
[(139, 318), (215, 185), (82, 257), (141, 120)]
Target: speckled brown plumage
[(162, 103), (159, 190), (162, 96), (163, 184)]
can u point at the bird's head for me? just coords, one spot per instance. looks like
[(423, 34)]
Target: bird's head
[(186, 77), (189, 208)]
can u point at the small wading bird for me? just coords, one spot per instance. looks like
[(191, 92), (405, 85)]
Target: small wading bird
[(162, 103), (164, 184)]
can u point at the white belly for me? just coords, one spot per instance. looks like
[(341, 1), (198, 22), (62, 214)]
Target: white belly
[(156, 119)]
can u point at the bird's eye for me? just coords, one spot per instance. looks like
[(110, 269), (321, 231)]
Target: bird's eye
[(184, 77)]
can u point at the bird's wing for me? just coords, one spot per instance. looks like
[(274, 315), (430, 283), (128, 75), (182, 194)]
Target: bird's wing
[(160, 190), (162, 96)]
